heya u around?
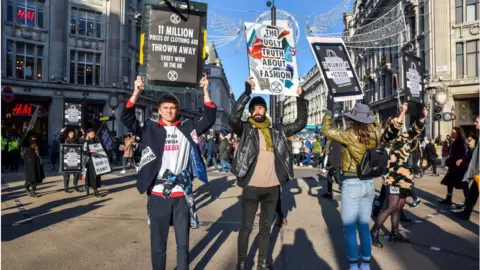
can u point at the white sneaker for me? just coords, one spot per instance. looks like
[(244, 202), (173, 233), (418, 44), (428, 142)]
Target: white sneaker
[(301, 164), (136, 167), (123, 172)]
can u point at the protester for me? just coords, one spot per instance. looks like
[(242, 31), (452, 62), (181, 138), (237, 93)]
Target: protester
[(169, 162), (472, 174), (317, 152), (55, 152), (211, 156), (454, 177), (68, 137), (399, 180), (308, 152), (296, 146), (357, 195), (128, 146), (431, 157), (34, 173), (224, 152), (262, 164), (92, 180)]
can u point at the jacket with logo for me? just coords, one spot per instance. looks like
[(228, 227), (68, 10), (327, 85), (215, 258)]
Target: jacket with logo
[(153, 137), (246, 155)]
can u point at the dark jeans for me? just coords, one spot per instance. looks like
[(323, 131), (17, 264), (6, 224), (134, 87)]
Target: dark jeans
[(251, 197), (472, 198), (278, 208), (214, 159), (66, 180), (433, 164), (54, 158), (160, 211)]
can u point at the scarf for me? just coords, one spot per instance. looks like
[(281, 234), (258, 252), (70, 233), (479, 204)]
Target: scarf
[(264, 127)]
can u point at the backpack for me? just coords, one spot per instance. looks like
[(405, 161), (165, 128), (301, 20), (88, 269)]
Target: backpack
[(374, 162)]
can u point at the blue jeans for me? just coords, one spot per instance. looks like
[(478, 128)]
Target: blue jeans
[(212, 158), (357, 199), (225, 165)]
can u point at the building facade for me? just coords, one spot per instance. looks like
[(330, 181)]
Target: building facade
[(79, 51), (439, 33), (220, 90)]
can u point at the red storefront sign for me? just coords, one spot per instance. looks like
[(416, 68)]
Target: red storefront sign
[(30, 14), (21, 109)]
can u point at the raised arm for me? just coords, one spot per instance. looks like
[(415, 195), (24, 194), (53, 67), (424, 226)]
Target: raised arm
[(392, 130), (128, 115), (237, 111), (302, 115), (209, 110), (418, 126), (335, 134)]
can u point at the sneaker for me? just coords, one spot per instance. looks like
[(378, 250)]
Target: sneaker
[(136, 168), (301, 165), (416, 203), (123, 172)]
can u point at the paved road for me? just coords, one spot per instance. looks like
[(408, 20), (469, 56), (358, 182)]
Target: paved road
[(74, 231)]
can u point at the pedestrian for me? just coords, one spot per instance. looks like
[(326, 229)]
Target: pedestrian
[(316, 152), (334, 164), (308, 152), (262, 164), (431, 157), (224, 152), (55, 152), (13, 148), (357, 195), (34, 173), (399, 179), (128, 153), (170, 160), (454, 177), (471, 141), (68, 137), (445, 150), (296, 145), (472, 174), (91, 179), (211, 156)]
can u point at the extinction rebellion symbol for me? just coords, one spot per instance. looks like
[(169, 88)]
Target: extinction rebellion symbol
[(175, 18), (276, 87), (172, 75)]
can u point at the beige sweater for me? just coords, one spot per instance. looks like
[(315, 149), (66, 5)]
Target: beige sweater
[(264, 174)]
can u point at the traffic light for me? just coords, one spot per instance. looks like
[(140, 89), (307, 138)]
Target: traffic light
[(438, 110)]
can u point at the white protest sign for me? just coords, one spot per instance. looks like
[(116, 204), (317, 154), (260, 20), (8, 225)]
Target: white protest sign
[(99, 159), (271, 59)]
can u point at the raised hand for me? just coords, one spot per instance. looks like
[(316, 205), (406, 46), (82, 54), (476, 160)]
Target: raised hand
[(299, 90), (139, 85), (204, 82), (249, 85)]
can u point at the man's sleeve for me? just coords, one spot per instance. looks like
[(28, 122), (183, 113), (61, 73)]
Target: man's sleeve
[(130, 120), (235, 120), (208, 118), (302, 117)]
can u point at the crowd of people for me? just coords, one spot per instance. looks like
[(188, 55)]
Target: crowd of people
[(169, 154)]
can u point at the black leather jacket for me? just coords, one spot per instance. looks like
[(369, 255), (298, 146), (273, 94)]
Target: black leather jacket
[(246, 155)]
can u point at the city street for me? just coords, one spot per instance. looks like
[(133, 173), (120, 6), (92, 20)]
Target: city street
[(75, 231)]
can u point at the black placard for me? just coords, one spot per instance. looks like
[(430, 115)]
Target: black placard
[(105, 138), (72, 115), (173, 47), (71, 158), (337, 70), (413, 78)]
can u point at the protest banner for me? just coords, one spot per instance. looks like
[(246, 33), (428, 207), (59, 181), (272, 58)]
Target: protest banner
[(72, 114), (272, 59), (338, 72), (99, 159), (413, 78), (71, 158), (173, 48)]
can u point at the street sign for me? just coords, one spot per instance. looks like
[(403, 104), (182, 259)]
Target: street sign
[(7, 94)]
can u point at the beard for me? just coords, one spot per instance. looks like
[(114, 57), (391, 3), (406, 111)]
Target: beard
[(259, 118)]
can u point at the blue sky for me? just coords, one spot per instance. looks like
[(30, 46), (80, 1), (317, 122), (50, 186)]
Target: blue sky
[(235, 63)]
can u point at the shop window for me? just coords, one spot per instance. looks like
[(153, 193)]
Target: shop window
[(472, 59), (26, 12), (28, 60), (85, 23), (85, 69), (9, 58)]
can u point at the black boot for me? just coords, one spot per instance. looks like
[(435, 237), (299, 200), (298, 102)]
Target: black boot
[(96, 194), (264, 265), (77, 189), (465, 214), (29, 192), (87, 190), (242, 265), (375, 236), (395, 236), (33, 194), (447, 201), (460, 206), (67, 190)]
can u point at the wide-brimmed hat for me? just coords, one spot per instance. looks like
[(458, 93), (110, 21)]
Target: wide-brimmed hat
[(361, 113)]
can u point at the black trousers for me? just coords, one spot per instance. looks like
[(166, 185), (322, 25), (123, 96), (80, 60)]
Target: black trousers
[(161, 211), (472, 198), (432, 163), (66, 180), (251, 197), (278, 208), (54, 158)]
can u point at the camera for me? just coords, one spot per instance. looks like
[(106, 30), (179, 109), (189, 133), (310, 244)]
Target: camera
[(269, 3)]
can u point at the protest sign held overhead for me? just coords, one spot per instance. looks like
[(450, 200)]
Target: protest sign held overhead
[(413, 78), (173, 46), (71, 158), (337, 70), (271, 59), (72, 114)]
